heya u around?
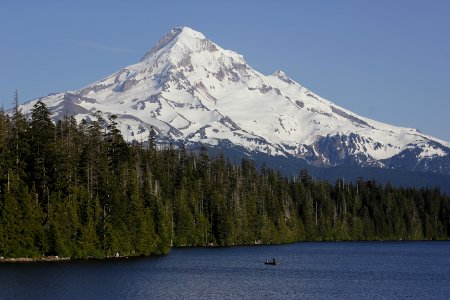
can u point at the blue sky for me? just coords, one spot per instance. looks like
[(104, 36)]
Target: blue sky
[(386, 60)]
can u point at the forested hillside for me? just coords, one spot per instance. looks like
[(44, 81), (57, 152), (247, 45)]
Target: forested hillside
[(79, 190)]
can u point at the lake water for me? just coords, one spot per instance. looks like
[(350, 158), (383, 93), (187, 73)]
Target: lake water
[(340, 270)]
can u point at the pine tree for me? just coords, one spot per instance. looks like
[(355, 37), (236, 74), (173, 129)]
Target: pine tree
[(42, 141)]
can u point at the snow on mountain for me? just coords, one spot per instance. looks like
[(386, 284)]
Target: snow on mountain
[(190, 89)]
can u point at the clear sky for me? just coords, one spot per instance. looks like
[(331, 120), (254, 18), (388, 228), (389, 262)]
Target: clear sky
[(388, 60)]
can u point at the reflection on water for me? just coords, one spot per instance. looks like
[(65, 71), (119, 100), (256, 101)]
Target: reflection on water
[(306, 270)]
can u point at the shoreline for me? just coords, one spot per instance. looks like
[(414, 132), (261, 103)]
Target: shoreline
[(29, 259), (62, 259)]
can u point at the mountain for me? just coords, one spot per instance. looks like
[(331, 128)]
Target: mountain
[(191, 90)]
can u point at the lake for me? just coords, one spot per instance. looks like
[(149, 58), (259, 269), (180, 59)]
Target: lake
[(339, 270)]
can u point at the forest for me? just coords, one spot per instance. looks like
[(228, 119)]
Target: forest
[(77, 189)]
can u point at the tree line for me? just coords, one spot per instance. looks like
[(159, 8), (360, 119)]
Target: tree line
[(79, 190)]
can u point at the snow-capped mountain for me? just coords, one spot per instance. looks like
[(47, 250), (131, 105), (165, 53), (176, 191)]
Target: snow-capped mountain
[(192, 90)]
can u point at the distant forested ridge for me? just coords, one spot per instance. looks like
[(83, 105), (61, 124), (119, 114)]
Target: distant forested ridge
[(79, 190)]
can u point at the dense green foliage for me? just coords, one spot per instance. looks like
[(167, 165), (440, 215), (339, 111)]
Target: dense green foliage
[(80, 190)]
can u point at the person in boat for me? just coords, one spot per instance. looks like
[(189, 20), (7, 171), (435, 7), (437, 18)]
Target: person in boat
[(273, 261)]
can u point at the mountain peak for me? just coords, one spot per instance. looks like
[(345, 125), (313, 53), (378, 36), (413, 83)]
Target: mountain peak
[(187, 32), (185, 36)]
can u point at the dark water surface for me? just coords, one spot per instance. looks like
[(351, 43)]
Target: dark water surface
[(341, 270)]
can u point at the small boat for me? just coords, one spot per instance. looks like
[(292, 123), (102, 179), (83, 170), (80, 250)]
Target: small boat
[(272, 261)]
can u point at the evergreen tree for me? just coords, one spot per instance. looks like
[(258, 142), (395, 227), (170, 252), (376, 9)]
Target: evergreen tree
[(42, 141)]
